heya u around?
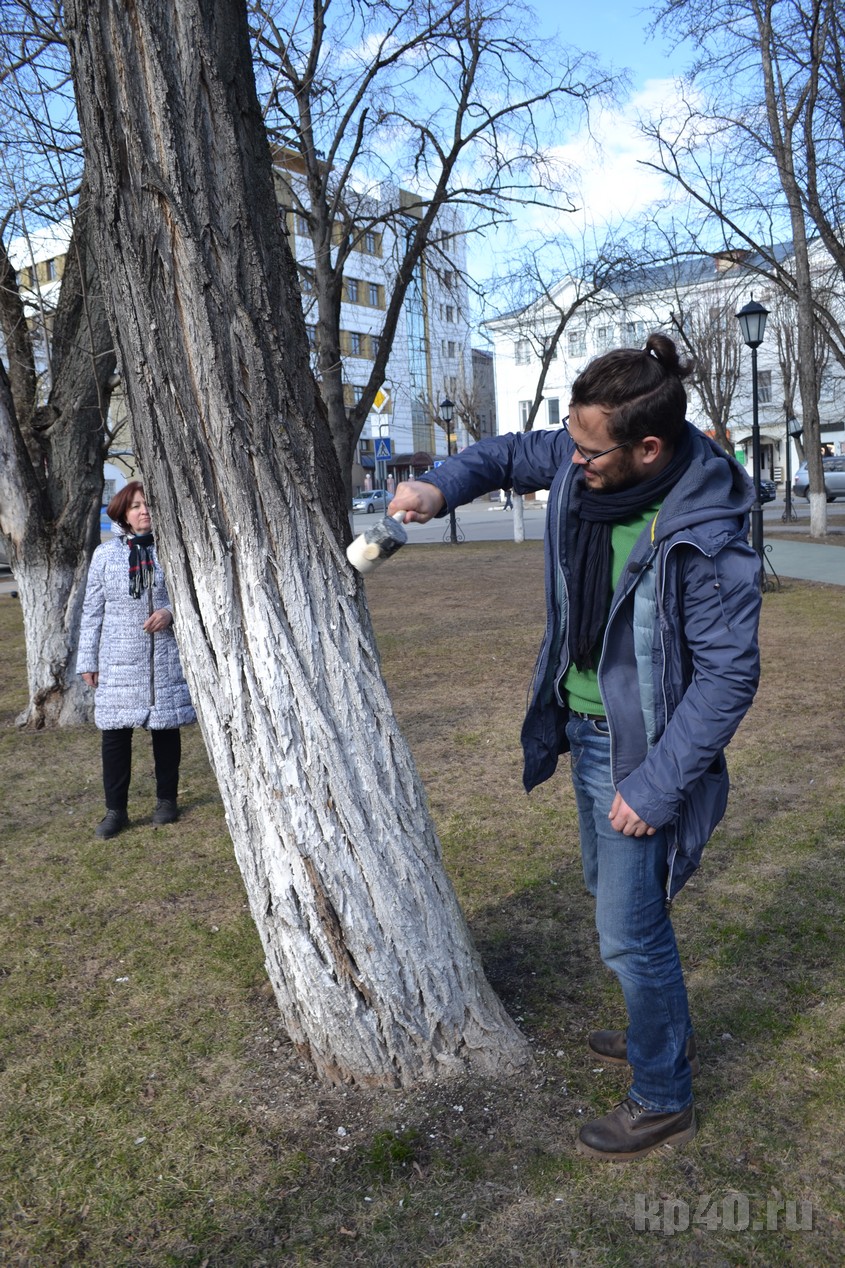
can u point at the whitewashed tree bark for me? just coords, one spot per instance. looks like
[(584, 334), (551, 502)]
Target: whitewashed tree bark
[(366, 948), (518, 517)]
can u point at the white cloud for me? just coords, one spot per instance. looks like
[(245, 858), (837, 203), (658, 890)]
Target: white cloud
[(613, 186)]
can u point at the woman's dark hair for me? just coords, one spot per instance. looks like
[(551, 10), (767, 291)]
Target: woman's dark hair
[(121, 502), (641, 387)]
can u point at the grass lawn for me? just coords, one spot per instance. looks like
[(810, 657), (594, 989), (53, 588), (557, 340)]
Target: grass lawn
[(152, 1111)]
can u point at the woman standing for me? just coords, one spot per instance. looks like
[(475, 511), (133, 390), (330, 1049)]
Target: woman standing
[(128, 654)]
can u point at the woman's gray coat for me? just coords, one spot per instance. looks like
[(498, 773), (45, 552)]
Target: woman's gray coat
[(141, 681)]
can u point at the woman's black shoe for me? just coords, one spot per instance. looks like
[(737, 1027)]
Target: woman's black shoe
[(165, 812), (114, 822)]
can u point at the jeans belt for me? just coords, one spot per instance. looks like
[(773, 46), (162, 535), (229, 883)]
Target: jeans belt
[(590, 717)]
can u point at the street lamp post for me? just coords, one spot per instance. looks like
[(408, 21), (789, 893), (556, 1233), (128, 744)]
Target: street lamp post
[(447, 410), (752, 322), (793, 428)]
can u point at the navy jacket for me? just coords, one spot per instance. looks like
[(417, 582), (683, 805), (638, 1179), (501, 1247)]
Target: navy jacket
[(679, 664)]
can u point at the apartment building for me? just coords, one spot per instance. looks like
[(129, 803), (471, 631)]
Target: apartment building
[(431, 357), (39, 263)]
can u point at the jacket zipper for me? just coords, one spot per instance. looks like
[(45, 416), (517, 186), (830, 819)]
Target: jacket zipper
[(563, 594), (152, 653), (660, 594)]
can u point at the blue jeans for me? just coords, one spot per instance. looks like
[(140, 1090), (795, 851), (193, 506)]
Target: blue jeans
[(627, 877)]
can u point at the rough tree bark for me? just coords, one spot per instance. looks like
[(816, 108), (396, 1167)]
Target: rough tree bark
[(366, 948), (51, 478)]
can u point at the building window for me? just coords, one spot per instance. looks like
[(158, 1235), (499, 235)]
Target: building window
[(453, 352), (375, 295), (576, 343), (351, 290), (448, 279), (370, 242), (375, 344), (52, 270), (554, 411), (764, 387), (301, 224), (604, 337), (718, 318), (634, 333), (522, 352), (450, 313), (355, 343), (547, 343), (524, 411)]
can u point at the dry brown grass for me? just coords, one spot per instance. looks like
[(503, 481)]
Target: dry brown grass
[(165, 1119)]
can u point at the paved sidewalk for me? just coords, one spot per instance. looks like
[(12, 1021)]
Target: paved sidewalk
[(807, 561)]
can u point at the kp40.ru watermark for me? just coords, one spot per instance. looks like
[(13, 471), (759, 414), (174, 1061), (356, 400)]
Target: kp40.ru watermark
[(734, 1213)]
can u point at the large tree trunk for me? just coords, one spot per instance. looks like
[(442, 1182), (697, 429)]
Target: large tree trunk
[(366, 948), (51, 483)]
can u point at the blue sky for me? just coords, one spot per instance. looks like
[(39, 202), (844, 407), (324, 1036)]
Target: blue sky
[(608, 181), (615, 32)]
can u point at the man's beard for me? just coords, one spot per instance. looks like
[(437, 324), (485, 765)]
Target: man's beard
[(624, 477)]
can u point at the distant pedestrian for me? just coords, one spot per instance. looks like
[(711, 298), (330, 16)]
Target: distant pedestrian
[(508, 506), (128, 654)]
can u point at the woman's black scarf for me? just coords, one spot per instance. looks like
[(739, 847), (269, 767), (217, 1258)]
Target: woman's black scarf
[(141, 564), (590, 565)]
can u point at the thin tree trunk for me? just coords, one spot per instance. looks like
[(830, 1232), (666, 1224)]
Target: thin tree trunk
[(365, 945), (51, 483), (518, 518), (784, 127)]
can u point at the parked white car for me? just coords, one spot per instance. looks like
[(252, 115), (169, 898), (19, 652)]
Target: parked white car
[(834, 478), (377, 500)]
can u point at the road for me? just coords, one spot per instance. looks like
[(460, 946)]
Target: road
[(479, 522), (798, 558), (483, 521)]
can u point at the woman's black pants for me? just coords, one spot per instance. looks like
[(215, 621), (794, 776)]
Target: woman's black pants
[(117, 765)]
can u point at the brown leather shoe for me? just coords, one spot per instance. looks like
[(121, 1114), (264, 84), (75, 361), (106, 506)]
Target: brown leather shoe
[(611, 1046), (630, 1131)]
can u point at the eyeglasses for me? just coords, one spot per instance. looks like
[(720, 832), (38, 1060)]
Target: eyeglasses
[(591, 457)]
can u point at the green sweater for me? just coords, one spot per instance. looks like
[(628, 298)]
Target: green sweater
[(580, 686)]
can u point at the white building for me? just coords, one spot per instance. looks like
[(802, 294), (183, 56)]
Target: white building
[(698, 299), (38, 259)]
